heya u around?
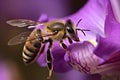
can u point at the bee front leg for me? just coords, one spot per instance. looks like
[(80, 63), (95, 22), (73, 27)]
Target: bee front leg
[(63, 45), (70, 40), (49, 59)]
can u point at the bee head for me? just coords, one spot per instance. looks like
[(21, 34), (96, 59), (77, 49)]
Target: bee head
[(72, 33)]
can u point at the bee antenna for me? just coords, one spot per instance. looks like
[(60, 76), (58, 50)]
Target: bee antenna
[(78, 22), (82, 30)]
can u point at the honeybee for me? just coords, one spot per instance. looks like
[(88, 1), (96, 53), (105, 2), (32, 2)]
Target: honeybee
[(35, 42)]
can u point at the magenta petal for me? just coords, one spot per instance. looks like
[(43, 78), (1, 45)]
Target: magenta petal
[(116, 8), (111, 64), (82, 58), (111, 43), (105, 47), (42, 60), (113, 58), (112, 27)]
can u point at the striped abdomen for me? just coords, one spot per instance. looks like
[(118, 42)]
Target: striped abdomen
[(31, 50)]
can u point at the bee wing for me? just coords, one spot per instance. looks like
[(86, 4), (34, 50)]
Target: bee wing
[(23, 23), (21, 38)]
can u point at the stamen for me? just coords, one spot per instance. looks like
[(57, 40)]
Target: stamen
[(93, 42)]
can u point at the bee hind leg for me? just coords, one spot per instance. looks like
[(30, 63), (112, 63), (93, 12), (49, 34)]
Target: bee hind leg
[(49, 60), (49, 64)]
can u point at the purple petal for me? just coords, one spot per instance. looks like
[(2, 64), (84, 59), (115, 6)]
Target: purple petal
[(59, 64), (105, 47), (110, 44), (113, 58), (82, 58), (112, 64), (116, 9), (112, 27), (42, 60)]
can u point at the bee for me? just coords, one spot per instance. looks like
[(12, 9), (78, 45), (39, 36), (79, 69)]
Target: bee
[(35, 41)]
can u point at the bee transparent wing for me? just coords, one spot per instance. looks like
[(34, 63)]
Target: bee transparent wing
[(21, 38), (21, 22)]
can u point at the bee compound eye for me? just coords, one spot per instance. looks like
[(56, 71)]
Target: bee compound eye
[(70, 30)]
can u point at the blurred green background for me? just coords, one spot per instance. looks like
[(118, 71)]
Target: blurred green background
[(10, 56)]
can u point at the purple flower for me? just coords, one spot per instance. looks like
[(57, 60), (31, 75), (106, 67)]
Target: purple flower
[(105, 56), (89, 56)]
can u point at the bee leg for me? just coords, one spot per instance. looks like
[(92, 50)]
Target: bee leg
[(49, 60), (49, 64), (42, 49), (63, 45), (70, 40)]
